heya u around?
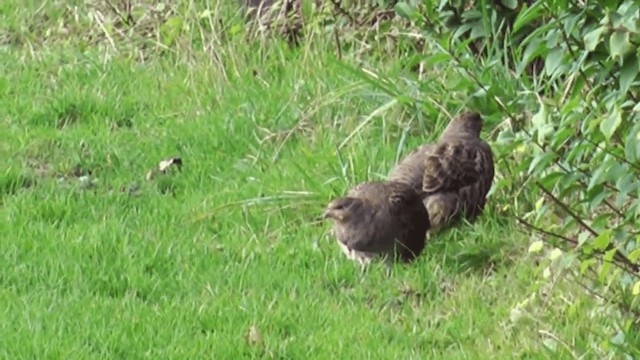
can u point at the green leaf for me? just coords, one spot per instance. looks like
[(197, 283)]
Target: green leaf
[(560, 137), (627, 183), (582, 237), (628, 73), (553, 61), (585, 265), (505, 137), (603, 240), (618, 339), (609, 125), (405, 10), (534, 49), (634, 255), (616, 171), (570, 20), (592, 39), (540, 162), (541, 124), (597, 176), (510, 4), (632, 24), (549, 181), (632, 145), (618, 43), (553, 38), (604, 270), (526, 16), (478, 30), (171, 29), (609, 254), (636, 288), (576, 92), (236, 29), (595, 196), (437, 58), (601, 221), (628, 8)]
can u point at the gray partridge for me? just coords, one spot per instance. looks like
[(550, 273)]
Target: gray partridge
[(379, 219), (286, 15), (452, 176)]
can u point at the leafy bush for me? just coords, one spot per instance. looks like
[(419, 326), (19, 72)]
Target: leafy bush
[(572, 167), (563, 77)]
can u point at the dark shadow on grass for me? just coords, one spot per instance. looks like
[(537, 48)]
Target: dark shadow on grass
[(481, 247), (63, 113), (12, 183)]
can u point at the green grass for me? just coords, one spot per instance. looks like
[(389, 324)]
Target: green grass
[(185, 265)]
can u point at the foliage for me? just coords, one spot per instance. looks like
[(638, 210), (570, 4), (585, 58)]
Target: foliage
[(574, 165), (564, 77)]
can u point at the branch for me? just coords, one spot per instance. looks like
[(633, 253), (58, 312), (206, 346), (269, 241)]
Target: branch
[(566, 209), (546, 232), (338, 46), (630, 266), (623, 264)]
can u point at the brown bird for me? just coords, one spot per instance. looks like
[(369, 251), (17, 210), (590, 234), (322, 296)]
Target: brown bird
[(284, 15), (379, 219), (452, 176)]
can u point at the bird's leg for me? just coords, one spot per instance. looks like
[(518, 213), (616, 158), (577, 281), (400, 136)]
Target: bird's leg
[(389, 262), (363, 267), (389, 270)]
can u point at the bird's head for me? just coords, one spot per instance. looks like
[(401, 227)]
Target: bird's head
[(380, 217), (343, 209), (466, 124)]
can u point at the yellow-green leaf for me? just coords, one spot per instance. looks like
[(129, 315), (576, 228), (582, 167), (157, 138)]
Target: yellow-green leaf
[(536, 247), (603, 240), (538, 204), (586, 265), (604, 270), (609, 254), (516, 315), (556, 253)]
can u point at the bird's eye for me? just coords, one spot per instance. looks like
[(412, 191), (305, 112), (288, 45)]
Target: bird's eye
[(396, 198)]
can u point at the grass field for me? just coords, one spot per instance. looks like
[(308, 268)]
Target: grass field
[(227, 258)]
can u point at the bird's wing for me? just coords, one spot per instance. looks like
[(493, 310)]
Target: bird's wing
[(410, 170), (453, 165)]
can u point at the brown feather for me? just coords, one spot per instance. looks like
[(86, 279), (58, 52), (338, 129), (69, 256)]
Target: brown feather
[(380, 219), (454, 175)]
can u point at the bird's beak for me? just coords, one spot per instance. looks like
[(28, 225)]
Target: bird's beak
[(326, 214)]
